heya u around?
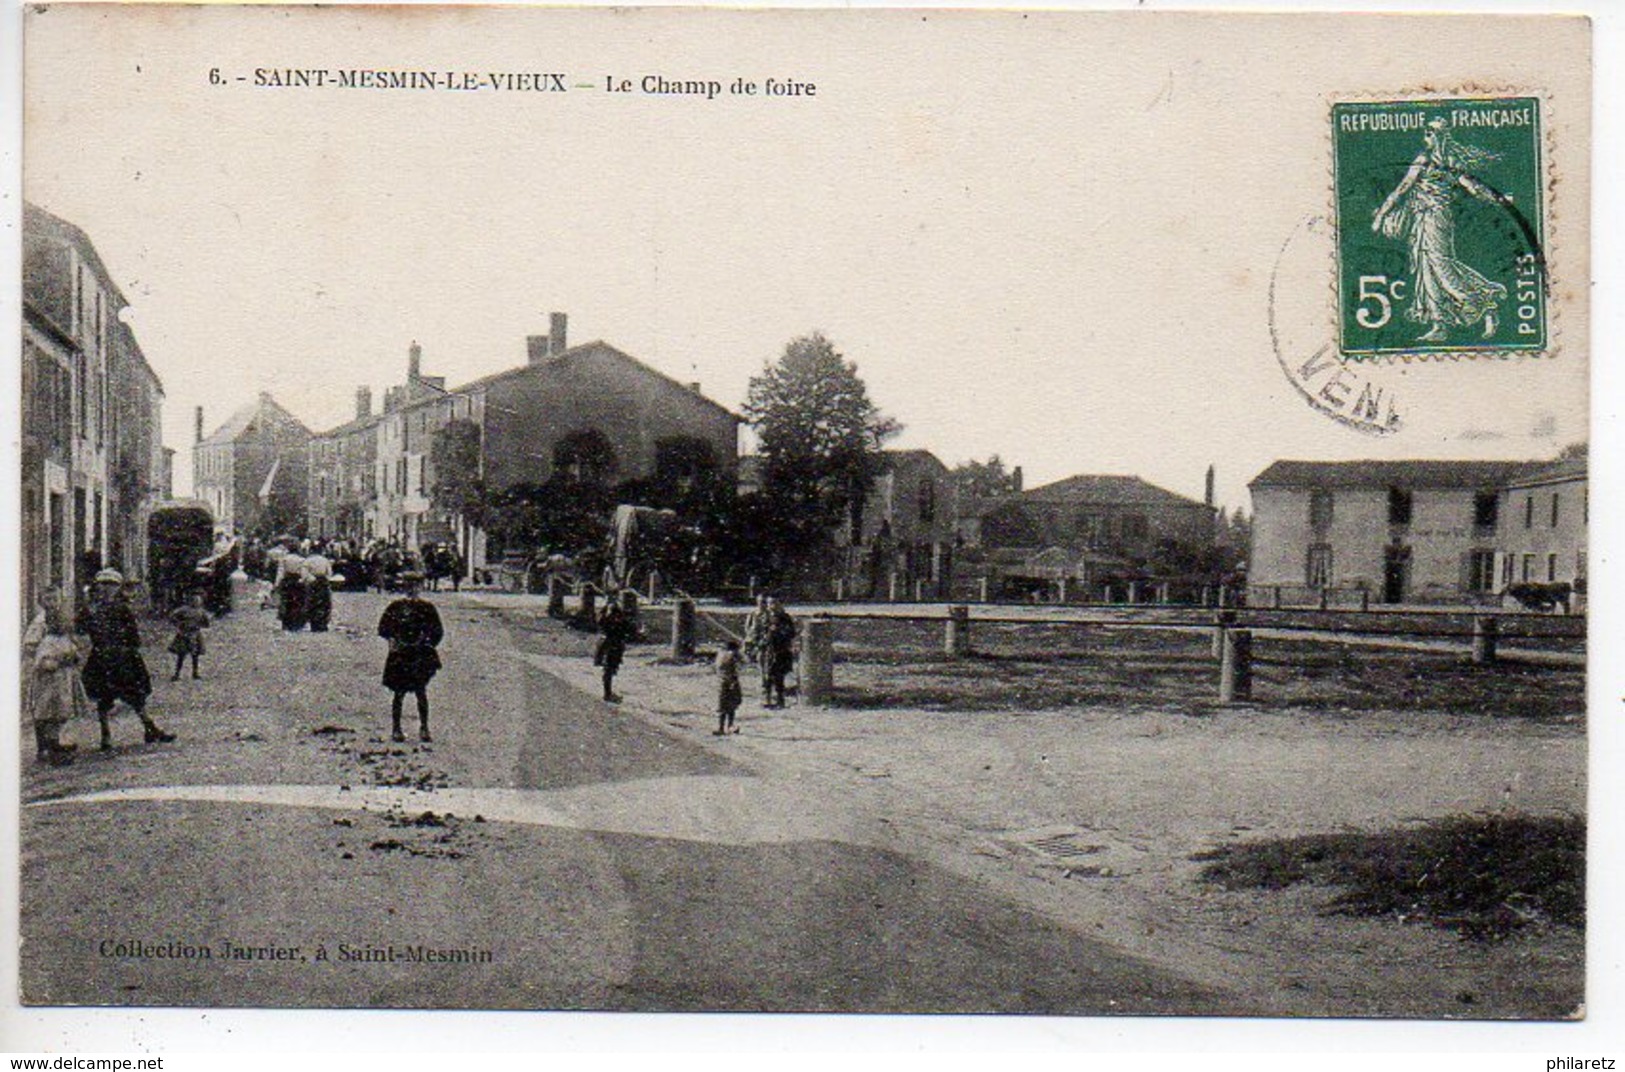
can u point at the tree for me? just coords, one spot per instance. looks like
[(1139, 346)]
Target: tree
[(821, 440), (983, 480), (459, 490)]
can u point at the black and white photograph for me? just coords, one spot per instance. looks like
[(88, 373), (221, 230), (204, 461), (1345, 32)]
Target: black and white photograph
[(1055, 513)]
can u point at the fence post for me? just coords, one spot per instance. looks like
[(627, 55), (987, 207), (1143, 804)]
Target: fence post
[(891, 588), (1063, 589), (817, 670), (555, 596), (1325, 599), (919, 589), (840, 589), (1163, 592), (589, 603), (1106, 594), (1207, 595), (984, 589), (1275, 596), (1222, 620), (1486, 629), (1224, 595), (956, 639), (1134, 591), (682, 629), (1365, 599), (1236, 670)]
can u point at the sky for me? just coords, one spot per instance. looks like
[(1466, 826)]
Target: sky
[(1045, 236)]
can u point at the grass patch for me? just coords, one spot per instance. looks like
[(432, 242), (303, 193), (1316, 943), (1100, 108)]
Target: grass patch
[(1484, 877)]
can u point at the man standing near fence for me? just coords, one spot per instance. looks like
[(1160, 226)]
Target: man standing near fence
[(780, 641)]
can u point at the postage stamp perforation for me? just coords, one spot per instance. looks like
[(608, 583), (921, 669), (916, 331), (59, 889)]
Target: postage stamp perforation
[(1476, 93)]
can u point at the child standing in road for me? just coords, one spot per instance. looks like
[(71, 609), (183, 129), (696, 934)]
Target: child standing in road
[(729, 694), (190, 621)]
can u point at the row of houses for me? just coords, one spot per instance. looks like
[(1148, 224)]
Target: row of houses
[(1401, 532), (597, 413), (1419, 531), (590, 410), (93, 459)]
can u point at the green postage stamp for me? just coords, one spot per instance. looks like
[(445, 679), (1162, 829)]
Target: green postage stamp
[(1439, 226)]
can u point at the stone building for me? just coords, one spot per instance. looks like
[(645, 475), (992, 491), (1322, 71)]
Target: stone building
[(253, 471), (343, 469), (1401, 531), (591, 410), (1092, 529), (1544, 516), (903, 540), (92, 455)]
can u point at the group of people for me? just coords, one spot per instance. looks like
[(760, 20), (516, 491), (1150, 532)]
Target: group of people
[(302, 586), (769, 641), (79, 653), (93, 656)]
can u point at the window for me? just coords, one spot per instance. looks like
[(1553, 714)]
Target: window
[(1579, 565), (1318, 573), (1399, 506), (1486, 508), (1551, 569), (1506, 570), (1320, 509), (1554, 509), (1529, 511), (1481, 571), (1528, 567)]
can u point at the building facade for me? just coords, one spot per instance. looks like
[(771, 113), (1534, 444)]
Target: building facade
[(589, 410), (903, 539), (92, 455), (1544, 517), (253, 471), (1402, 531)]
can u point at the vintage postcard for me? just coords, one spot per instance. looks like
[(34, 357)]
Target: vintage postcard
[(804, 511)]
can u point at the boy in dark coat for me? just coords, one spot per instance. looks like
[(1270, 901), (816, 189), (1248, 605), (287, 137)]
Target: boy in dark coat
[(189, 621), (615, 628), (412, 627), (114, 670)]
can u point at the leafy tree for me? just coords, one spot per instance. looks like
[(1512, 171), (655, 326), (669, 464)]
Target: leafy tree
[(983, 480), (821, 440), (459, 490)]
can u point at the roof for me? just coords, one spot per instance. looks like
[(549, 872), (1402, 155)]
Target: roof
[(1089, 489), (575, 353), (1468, 475), (917, 457), (38, 221), (1571, 468), (239, 421)]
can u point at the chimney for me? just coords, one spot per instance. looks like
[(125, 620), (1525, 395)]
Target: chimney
[(694, 385), (536, 348), (363, 402), (197, 426), (414, 362), (1015, 480), (1208, 497), (556, 343)]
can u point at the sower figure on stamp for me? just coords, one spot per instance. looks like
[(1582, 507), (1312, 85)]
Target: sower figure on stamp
[(412, 627), (114, 670), (1447, 292), (615, 628)]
